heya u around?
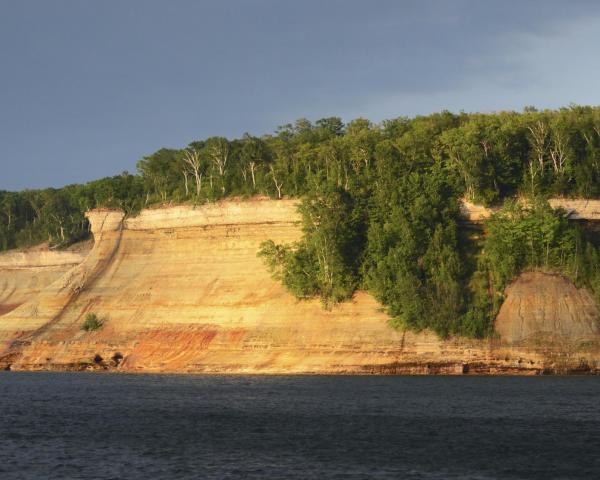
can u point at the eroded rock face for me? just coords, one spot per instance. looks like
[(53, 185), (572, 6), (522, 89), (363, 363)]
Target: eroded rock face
[(181, 289), (25, 273), (104, 220), (578, 209), (544, 306), (45, 309), (258, 211)]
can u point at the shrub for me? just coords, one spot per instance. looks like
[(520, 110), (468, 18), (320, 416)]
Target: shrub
[(91, 323)]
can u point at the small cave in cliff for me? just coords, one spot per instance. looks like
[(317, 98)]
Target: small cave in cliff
[(116, 359)]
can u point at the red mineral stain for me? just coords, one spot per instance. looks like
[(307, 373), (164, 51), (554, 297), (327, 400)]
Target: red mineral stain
[(237, 335), (8, 307)]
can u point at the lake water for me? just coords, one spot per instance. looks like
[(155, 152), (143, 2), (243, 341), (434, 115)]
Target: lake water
[(55, 425)]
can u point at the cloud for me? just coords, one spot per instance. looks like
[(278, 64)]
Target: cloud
[(85, 92), (549, 69)]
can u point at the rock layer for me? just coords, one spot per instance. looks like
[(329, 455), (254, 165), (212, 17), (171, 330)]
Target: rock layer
[(47, 308), (24, 274), (181, 289), (547, 306), (575, 208)]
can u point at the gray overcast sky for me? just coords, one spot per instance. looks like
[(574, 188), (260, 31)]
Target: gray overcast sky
[(87, 88)]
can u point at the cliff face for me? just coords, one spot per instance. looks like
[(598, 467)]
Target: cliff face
[(576, 209), (540, 306), (24, 274), (46, 309), (181, 289)]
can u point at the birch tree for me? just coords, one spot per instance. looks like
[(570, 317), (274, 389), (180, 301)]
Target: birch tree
[(254, 154), (193, 164), (277, 180), (538, 136), (218, 152)]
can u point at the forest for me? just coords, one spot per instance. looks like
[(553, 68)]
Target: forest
[(380, 205)]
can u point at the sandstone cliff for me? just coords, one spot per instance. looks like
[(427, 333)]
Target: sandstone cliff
[(181, 289), (23, 274), (576, 209), (541, 306)]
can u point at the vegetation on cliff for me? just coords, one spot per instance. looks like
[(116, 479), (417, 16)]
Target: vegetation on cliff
[(327, 262), (380, 205), (532, 237), (91, 323), (486, 157)]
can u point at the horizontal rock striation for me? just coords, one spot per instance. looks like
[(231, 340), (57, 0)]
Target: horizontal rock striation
[(254, 211), (24, 274), (46, 308), (41, 258), (180, 289), (576, 209)]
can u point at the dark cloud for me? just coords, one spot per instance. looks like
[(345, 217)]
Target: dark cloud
[(86, 88)]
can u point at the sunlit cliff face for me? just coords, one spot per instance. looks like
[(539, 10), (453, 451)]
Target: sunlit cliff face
[(181, 289), (24, 274)]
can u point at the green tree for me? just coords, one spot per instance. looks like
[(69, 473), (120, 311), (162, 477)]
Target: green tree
[(326, 261)]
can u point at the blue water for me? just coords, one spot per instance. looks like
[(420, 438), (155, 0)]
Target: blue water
[(75, 426)]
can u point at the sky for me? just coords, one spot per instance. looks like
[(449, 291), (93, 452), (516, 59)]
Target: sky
[(88, 88)]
